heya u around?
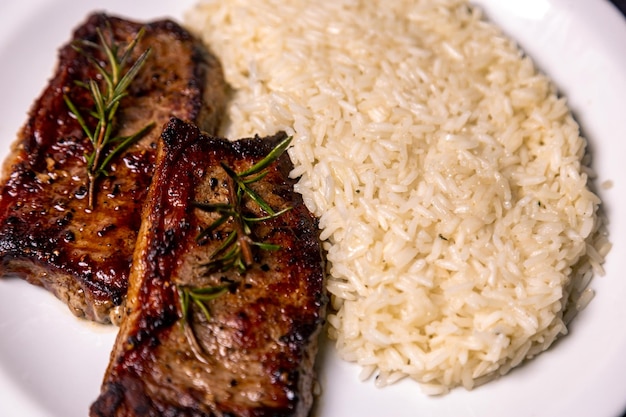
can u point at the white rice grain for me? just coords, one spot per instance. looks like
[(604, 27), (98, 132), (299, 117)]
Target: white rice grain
[(447, 173)]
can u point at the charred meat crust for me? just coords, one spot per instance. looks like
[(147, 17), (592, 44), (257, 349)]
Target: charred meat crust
[(47, 235), (260, 342)]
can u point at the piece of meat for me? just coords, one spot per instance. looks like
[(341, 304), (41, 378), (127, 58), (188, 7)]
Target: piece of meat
[(254, 354), (48, 235)]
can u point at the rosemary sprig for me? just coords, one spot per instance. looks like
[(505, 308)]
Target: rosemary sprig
[(236, 250), (117, 75), (199, 297)]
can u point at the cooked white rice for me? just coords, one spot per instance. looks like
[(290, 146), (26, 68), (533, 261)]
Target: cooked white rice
[(447, 173)]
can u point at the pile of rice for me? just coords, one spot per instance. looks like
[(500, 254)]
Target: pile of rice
[(448, 175)]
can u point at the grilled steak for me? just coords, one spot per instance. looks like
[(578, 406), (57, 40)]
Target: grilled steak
[(251, 353), (48, 235)]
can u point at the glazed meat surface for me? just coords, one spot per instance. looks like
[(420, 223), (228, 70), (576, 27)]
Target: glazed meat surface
[(48, 234), (252, 352)]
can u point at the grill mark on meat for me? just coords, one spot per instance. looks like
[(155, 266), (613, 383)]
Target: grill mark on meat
[(260, 342), (46, 234)]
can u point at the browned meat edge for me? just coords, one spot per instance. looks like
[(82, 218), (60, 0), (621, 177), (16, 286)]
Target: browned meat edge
[(258, 348)]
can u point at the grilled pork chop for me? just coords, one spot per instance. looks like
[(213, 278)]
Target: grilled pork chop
[(48, 235), (251, 353)]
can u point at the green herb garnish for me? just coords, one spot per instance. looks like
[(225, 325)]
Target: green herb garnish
[(235, 252), (116, 80), (199, 296)]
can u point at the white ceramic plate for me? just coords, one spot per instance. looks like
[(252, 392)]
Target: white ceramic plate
[(51, 364)]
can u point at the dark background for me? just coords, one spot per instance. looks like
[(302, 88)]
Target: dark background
[(621, 4)]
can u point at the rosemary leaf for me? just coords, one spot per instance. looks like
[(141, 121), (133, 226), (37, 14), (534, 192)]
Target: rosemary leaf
[(267, 246), (209, 293), (254, 196), (123, 143), (79, 117), (207, 231), (131, 74), (265, 218), (259, 177), (269, 158), (184, 302), (202, 307), (199, 296)]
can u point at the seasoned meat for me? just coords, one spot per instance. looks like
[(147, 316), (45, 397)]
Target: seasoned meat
[(251, 353), (48, 234)]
